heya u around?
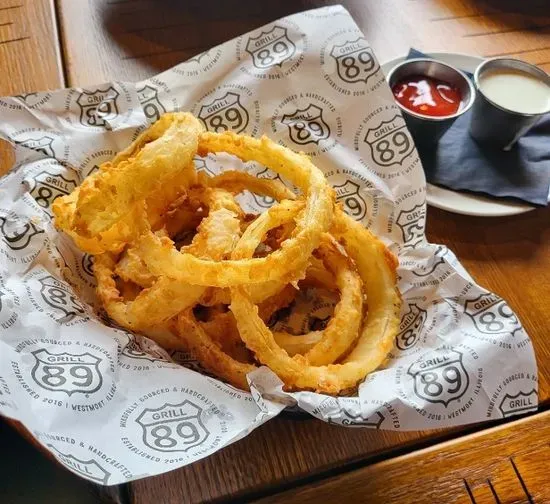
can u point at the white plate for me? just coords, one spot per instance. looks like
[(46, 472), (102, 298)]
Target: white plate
[(461, 202)]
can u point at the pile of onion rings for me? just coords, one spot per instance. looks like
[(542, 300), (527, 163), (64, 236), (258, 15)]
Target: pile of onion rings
[(177, 258)]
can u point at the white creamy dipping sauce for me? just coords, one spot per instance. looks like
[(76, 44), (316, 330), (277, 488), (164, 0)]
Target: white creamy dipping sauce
[(515, 90)]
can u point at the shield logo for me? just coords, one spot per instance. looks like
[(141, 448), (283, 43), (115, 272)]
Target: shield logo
[(198, 57), (411, 327), (59, 296), (307, 125), (435, 261), (412, 224), (491, 315), (390, 142), (266, 201), (350, 419), (224, 114), (142, 348), (32, 99), (65, 372), (353, 203), (28, 98), (152, 107), (20, 237), (47, 187), (518, 404), (355, 61), (87, 262), (202, 166), (42, 145), (88, 469), (270, 48), (173, 427), (440, 376), (98, 107)]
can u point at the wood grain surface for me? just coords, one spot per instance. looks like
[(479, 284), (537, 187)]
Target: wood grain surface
[(132, 39), (503, 470), (29, 47)]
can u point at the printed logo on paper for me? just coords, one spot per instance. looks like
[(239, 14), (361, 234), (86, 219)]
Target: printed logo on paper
[(520, 403), (351, 419), (308, 121), (411, 327), (225, 114), (272, 53), (149, 99), (173, 427), (91, 163), (142, 348), (28, 100), (198, 65), (17, 235), (491, 315), (42, 144), (98, 107), (46, 187), (60, 297), (440, 376), (389, 142), (89, 469), (412, 222), (436, 260), (270, 48), (68, 373), (8, 316), (307, 125), (316, 314), (355, 61), (87, 263), (201, 165), (266, 201), (353, 203), (34, 100)]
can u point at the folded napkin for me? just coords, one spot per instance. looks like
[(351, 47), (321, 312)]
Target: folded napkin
[(459, 163)]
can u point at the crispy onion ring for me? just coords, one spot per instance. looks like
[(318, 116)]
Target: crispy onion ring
[(101, 214), (377, 269), (211, 356), (237, 182), (163, 259), (178, 259), (165, 297), (343, 328)]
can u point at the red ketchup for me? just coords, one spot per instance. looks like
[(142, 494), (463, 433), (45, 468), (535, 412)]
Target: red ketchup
[(427, 96)]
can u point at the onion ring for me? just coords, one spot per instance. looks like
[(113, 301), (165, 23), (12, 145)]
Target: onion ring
[(164, 298), (163, 259), (377, 267), (101, 214)]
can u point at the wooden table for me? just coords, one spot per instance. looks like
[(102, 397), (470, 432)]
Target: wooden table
[(47, 44)]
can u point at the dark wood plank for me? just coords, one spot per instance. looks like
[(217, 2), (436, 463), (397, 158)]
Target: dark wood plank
[(507, 464)]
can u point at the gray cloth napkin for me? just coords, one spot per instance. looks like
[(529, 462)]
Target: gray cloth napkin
[(459, 163)]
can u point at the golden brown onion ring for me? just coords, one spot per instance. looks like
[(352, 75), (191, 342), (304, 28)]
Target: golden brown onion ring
[(163, 259), (377, 267), (166, 297), (237, 182), (211, 356), (102, 213)]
